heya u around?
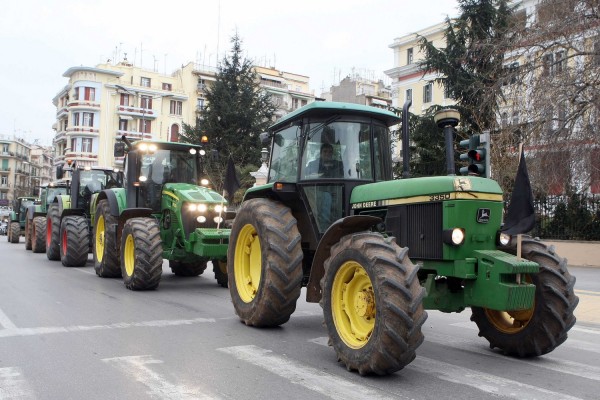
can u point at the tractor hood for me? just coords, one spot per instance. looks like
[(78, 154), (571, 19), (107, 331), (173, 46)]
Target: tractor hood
[(193, 193)]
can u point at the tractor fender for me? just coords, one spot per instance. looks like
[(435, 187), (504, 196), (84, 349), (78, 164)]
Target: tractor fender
[(127, 214), (113, 196), (340, 228), (64, 203), (30, 213)]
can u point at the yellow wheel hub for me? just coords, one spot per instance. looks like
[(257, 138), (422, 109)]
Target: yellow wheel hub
[(129, 255), (100, 239), (247, 263), (511, 321), (353, 304)]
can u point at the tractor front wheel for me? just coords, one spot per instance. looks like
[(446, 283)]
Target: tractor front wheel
[(106, 256), (542, 328), (53, 233), (141, 254), (28, 232), (38, 237), (74, 244), (187, 269), (264, 263), (14, 232), (372, 303)]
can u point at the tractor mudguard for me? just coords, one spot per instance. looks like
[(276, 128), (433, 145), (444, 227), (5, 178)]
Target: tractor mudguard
[(64, 203), (340, 228)]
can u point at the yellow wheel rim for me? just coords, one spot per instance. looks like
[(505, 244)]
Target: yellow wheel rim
[(100, 239), (353, 304), (129, 255), (247, 263), (511, 322)]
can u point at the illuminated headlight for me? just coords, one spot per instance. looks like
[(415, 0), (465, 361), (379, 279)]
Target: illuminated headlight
[(192, 151), (152, 147), (219, 208), (218, 220), (143, 147), (201, 219), (202, 207), (454, 236), (143, 178), (503, 239), (202, 152), (192, 207), (204, 182)]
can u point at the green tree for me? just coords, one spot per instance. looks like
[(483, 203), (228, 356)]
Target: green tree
[(237, 111)]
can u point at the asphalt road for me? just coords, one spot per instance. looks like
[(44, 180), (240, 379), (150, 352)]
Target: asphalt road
[(67, 334)]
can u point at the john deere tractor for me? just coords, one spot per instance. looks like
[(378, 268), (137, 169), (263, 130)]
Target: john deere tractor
[(162, 212), (377, 252), (70, 217), (16, 226), (35, 223)]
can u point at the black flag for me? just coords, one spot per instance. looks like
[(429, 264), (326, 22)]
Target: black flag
[(520, 217), (231, 183)]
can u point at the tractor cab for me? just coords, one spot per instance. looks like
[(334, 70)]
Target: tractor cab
[(326, 155), (90, 180), (20, 208)]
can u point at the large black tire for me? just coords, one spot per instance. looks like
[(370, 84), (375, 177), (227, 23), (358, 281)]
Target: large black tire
[(542, 328), (220, 270), (264, 263), (53, 233), (74, 244), (187, 269), (141, 254), (28, 232), (38, 236), (372, 303), (106, 255), (14, 232)]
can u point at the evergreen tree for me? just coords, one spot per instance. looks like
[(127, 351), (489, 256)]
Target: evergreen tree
[(237, 111)]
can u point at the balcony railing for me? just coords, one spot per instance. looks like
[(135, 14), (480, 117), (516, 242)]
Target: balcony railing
[(147, 113), (134, 135)]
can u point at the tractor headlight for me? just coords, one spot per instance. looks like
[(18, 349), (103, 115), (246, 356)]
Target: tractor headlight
[(218, 220), (219, 208), (192, 207), (202, 208), (454, 236), (204, 182), (201, 219), (503, 239)]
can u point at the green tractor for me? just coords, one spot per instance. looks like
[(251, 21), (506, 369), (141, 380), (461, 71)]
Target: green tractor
[(162, 212), (377, 252), (16, 226), (35, 223), (69, 223)]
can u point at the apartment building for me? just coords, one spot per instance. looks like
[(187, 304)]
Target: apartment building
[(102, 103), (15, 169), (359, 90)]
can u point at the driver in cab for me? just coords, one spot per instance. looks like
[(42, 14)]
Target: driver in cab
[(325, 166)]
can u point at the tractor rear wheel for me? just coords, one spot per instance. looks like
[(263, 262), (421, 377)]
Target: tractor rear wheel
[(28, 232), (141, 254), (264, 263), (14, 232), (180, 268), (38, 236), (372, 303), (543, 327), (106, 256), (220, 270), (74, 242), (53, 233)]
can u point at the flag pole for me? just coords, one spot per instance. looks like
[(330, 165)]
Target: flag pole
[(519, 236), (221, 210)]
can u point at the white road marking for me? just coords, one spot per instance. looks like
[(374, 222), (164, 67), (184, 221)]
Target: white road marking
[(136, 367), (546, 361), (473, 326), (84, 328), (13, 386), (6, 322), (318, 380)]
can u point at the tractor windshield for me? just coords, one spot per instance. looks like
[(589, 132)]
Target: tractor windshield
[(165, 166)]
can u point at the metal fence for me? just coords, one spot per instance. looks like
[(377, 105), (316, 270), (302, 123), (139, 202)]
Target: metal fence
[(568, 217)]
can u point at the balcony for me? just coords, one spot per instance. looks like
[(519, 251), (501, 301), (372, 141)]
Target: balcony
[(138, 112), (88, 130), (83, 105), (62, 112), (134, 135), (4, 170)]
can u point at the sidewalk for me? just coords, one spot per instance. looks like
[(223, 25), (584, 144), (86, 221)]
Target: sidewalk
[(581, 254)]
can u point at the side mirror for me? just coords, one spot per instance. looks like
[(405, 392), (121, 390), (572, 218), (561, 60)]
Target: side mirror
[(119, 149), (59, 172), (264, 138)]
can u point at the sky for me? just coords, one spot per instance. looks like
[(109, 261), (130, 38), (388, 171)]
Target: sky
[(325, 40)]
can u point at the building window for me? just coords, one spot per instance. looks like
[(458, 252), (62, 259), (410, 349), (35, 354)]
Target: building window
[(409, 56), (75, 119), (124, 99), (146, 102), (73, 144), (145, 126), (4, 181), (176, 107), (76, 93), (408, 96), (88, 119), (5, 147), (447, 94), (122, 124), (145, 82), (86, 145), (167, 86), (201, 84), (90, 94), (561, 61), (427, 93), (200, 104)]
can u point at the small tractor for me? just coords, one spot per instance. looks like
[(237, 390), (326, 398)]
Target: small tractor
[(377, 252), (35, 223), (69, 223), (16, 226), (164, 211)]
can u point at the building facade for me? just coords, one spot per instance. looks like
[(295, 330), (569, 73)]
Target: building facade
[(358, 90), (15, 169)]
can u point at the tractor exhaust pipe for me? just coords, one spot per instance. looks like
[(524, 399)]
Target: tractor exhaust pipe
[(405, 143), (447, 119)]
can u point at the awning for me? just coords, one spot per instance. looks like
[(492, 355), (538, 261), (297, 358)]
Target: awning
[(379, 102), (271, 78)]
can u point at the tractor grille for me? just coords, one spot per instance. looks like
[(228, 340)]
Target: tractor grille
[(190, 223), (418, 227)]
